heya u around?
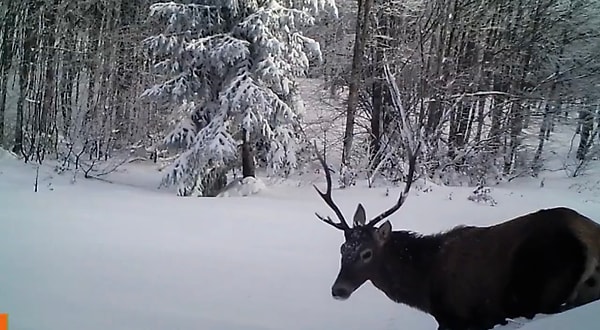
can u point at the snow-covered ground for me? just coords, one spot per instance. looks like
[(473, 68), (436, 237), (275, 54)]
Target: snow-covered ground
[(119, 254), (95, 255)]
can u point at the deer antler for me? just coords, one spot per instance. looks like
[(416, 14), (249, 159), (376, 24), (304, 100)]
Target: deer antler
[(342, 225), (412, 160)]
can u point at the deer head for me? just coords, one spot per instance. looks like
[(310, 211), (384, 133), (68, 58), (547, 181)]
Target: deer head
[(362, 250)]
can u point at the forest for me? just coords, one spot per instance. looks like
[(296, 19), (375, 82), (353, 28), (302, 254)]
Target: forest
[(211, 87)]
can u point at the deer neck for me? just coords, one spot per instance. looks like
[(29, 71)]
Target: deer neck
[(407, 264)]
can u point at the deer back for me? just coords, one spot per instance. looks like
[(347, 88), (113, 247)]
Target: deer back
[(530, 264)]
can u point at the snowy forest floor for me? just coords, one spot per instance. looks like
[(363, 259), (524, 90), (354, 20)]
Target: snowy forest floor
[(118, 253)]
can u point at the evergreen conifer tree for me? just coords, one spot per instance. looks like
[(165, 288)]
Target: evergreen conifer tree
[(227, 68)]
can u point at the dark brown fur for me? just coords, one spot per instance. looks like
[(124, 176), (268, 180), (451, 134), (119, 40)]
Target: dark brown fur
[(477, 277), (472, 278)]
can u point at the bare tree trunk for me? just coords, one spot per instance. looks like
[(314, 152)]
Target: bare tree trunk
[(517, 113), (516, 126), (362, 30), (544, 128), (3, 88), (248, 166), (467, 58), (497, 110), (28, 59), (47, 111), (480, 118), (6, 56), (598, 119), (587, 126), (377, 110)]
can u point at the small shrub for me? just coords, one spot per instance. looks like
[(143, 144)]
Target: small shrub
[(482, 194)]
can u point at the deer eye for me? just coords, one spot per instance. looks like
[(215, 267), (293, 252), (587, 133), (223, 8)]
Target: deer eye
[(366, 255)]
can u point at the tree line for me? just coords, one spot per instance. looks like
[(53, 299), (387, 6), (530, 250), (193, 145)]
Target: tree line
[(476, 76), (483, 83)]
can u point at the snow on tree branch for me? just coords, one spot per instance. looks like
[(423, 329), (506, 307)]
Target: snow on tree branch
[(202, 19), (227, 72)]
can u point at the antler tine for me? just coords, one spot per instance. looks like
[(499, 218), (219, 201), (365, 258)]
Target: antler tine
[(343, 225), (412, 160), (338, 225)]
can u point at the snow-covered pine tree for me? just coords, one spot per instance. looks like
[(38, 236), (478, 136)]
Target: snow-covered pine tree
[(227, 68)]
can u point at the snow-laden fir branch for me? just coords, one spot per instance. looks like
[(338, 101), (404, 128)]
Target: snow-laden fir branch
[(227, 71), (185, 18)]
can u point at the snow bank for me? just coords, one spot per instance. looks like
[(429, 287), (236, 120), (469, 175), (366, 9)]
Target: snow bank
[(243, 187), (94, 255), (5, 154)]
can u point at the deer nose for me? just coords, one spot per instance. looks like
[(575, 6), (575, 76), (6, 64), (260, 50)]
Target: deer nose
[(340, 292)]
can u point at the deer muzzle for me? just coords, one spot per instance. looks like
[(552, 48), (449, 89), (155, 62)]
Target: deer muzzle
[(343, 286), (339, 291)]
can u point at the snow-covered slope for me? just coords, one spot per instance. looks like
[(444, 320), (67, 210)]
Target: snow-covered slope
[(94, 255)]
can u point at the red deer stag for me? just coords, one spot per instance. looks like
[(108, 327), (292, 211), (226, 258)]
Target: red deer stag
[(472, 277)]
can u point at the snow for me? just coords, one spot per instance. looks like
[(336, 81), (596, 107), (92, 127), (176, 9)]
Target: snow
[(97, 255), (244, 187)]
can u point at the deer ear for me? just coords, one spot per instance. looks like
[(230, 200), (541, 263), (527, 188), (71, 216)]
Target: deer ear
[(383, 233), (359, 216)]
